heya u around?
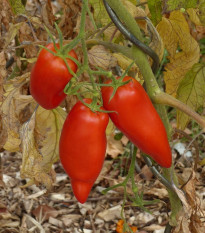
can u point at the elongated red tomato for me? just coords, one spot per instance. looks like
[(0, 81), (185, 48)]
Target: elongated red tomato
[(82, 147), (49, 77), (137, 118)]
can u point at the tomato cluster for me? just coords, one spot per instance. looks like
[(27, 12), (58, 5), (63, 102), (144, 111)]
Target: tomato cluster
[(83, 140)]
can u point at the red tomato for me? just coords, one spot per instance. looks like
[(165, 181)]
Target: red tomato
[(82, 147), (137, 118), (49, 77)]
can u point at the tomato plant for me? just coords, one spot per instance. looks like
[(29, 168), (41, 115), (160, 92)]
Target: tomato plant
[(137, 118), (49, 77), (82, 147)]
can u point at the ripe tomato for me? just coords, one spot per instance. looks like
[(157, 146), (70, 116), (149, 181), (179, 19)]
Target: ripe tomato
[(49, 77), (137, 118), (82, 147)]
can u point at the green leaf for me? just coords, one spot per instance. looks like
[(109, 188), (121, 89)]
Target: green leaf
[(155, 7), (177, 4), (191, 91), (100, 14), (17, 7)]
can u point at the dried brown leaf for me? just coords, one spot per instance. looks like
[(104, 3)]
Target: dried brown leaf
[(31, 158), (5, 14), (88, 25), (183, 224), (105, 169), (25, 34), (189, 218), (114, 147), (44, 212), (71, 9), (3, 72), (13, 103), (101, 57), (40, 145)]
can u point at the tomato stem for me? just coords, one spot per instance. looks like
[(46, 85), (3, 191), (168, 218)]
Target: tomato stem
[(60, 35)]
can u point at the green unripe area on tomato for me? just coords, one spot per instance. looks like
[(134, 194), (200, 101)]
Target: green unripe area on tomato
[(82, 147), (137, 118), (49, 77)]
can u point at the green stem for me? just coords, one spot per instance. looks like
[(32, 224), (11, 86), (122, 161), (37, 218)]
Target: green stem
[(175, 202), (91, 16), (165, 99), (83, 18), (85, 54)]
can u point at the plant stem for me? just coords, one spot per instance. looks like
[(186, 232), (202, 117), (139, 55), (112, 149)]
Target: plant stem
[(165, 99)]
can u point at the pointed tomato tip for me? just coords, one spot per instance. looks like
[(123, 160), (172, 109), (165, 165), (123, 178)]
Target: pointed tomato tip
[(81, 190), (166, 163)]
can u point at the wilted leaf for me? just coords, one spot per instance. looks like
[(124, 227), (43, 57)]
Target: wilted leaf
[(47, 14), (3, 72), (112, 32), (6, 16), (191, 209), (3, 132), (104, 172), (44, 212), (124, 62), (48, 128), (111, 213), (25, 34), (114, 147), (191, 91), (183, 223), (190, 217), (189, 188), (71, 10), (40, 141), (12, 142), (13, 103), (88, 25), (13, 31), (32, 159), (100, 57), (175, 32)]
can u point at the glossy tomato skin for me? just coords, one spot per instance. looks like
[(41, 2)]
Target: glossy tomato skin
[(137, 118), (82, 147), (49, 77)]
